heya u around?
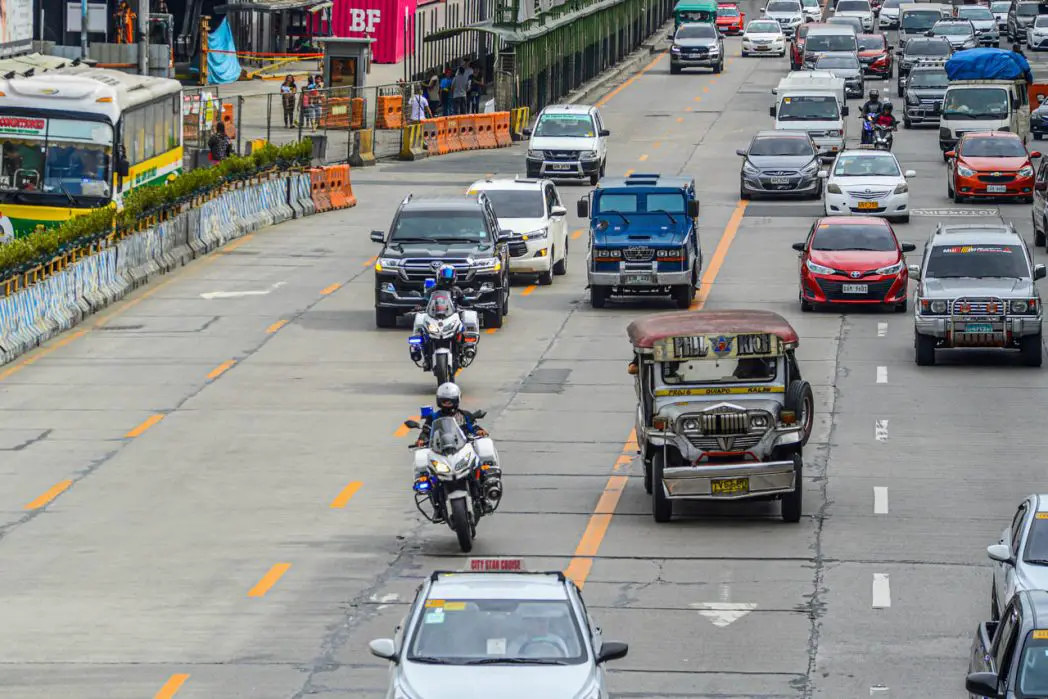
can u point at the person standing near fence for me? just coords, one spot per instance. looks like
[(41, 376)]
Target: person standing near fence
[(288, 90), (319, 98), (307, 104), (419, 107), (218, 145), (459, 90), (445, 91), (476, 89)]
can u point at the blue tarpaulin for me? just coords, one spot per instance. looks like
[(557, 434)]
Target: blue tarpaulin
[(222, 64), (988, 64)]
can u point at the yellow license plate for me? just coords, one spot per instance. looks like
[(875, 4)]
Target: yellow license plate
[(730, 486), (867, 205)]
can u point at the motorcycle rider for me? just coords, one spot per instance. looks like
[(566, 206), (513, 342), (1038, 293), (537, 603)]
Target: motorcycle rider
[(448, 397), (445, 281), (886, 118), (871, 106)]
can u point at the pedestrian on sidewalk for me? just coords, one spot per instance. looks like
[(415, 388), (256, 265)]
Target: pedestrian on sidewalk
[(476, 89), (445, 92), (218, 145), (419, 107), (459, 90), (307, 104), (288, 91), (318, 100)]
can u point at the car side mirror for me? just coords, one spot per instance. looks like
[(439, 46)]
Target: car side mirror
[(480, 414), (378, 236), (908, 247), (558, 211), (1039, 272), (983, 684), (844, 110), (1035, 154), (383, 648), (604, 133), (503, 236), (612, 650), (799, 247), (741, 152), (909, 173), (693, 208), (526, 132), (771, 112), (823, 174), (582, 208), (413, 424), (950, 154), (915, 271), (1000, 553), (123, 167), (929, 34)]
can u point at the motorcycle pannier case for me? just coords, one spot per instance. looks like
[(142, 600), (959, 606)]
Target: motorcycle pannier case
[(470, 326), (486, 452)]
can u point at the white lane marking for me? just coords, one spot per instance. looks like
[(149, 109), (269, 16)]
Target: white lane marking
[(385, 599), (880, 500), (882, 591), (237, 294), (877, 689), (880, 431), (724, 613), (882, 374), (882, 329)]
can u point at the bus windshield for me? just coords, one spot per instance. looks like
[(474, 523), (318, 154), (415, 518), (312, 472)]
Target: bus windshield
[(63, 157)]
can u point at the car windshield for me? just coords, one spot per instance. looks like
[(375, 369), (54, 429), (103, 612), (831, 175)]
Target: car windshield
[(517, 203), (837, 62), (929, 78), (920, 20), (1033, 670), (496, 631), (1028, 9), (831, 237), (697, 31), (655, 203), (853, 6), (440, 305), (445, 436), (853, 22), (992, 147), (783, 6), (1036, 549), (63, 157), (809, 108), (980, 13), (810, 3), (781, 146), (866, 166), (890, 4), (998, 7), (1041, 21), (726, 370), (565, 126), (938, 47), (727, 12), (976, 103), (871, 43), (830, 42), (764, 28), (694, 16), (974, 261), (952, 29), (438, 225)]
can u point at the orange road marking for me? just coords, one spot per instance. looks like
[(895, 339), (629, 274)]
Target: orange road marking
[(331, 289), (719, 254), (491, 331), (629, 172), (221, 369), (643, 157), (656, 144), (606, 98), (527, 291), (235, 244), (348, 492), (269, 580), (149, 422), (276, 326), (705, 89), (171, 687), (680, 120), (577, 234), (370, 261), (50, 495)]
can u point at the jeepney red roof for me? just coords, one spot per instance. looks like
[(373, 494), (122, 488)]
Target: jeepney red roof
[(645, 332)]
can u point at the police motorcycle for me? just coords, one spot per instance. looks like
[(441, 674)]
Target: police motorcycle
[(457, 479), (445, 337)]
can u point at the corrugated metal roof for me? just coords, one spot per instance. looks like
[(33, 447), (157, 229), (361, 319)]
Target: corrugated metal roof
[(268, 6)]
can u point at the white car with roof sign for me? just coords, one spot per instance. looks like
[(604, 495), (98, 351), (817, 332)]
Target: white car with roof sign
[(867, 182), (496, 628), (532, 210)]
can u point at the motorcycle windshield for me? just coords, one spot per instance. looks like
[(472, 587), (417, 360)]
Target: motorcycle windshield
[(440, 305), (446, 436)]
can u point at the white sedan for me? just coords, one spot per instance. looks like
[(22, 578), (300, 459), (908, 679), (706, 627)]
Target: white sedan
[(1037, 33), (763, 37), (867, 182)]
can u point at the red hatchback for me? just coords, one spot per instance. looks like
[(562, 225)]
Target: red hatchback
[(853, 260), (730, 19)]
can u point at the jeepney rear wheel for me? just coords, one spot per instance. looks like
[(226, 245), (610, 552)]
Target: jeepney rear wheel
[(793, 502), (661, 506), (801, 401)]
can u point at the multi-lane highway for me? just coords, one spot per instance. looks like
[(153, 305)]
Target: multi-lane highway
[(205, 491)]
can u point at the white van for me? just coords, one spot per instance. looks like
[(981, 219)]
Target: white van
[(813, 102), (983, 105), (916, 19)]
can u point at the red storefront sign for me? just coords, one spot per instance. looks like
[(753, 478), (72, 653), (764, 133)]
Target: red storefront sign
[(381, 20)]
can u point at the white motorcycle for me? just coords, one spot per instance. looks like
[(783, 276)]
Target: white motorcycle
[(444, 338), (457, 479)]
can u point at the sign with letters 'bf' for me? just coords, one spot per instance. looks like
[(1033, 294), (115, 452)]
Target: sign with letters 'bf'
[(382, 20)]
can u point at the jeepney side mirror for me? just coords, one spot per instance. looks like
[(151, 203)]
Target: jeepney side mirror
[(950, 154), (983, 684), (823, 174), (583, 208), (799, 247), (741, 152), (915, 272), (908, 247), (771, 111), (693, 208), (1039, 272), (123, 167), (844, 110)]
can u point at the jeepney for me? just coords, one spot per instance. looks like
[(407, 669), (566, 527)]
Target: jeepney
[(723, 412), (694, 12)]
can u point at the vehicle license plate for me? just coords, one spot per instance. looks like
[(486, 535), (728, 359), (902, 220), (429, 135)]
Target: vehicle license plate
[(867, 205), (560, 166), (780, 180), (763, 48), (855, 288), (730, 486), (978, 328), (638, 279), (996, 188)]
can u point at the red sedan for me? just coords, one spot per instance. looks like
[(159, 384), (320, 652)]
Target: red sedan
[(730, 19), (990, 164), (853, 260)]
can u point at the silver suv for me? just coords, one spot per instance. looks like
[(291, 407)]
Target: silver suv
[(977, 288)]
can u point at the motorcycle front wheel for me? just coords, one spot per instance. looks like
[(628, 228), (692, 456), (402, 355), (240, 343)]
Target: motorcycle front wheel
[(441, 369), (460, 523)]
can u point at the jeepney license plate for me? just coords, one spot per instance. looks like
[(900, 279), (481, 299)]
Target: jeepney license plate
[(638, 279), (559, 166), (780, 180), (855, 288), (867, 205), (996, 188), (978, 328), (730, 486)]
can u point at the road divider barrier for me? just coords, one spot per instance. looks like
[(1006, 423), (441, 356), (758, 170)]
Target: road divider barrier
[(412, 143), (502, 134), (452, 134), (363, 153), (390, 113), (519, 119), (317, 176), (343, 113)]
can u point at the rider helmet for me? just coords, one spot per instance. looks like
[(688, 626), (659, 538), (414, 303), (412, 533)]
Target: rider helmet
[(875, 95), (448, 396), (887, 109), (446, 275)]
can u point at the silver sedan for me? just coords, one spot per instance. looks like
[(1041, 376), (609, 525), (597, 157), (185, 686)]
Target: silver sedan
[(1020, 558)]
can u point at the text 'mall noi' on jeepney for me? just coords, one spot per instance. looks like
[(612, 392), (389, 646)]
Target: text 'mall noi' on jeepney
[(723, 412)]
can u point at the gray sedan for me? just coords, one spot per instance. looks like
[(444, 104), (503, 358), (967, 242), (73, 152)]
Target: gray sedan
[(845, 65), (1020, 558)]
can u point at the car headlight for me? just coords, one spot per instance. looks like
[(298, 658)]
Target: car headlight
[(690, 425), (811, 168), (669, 252), (607, 252), (834, 133), (1018, 306), (535, 154), (748, 169), (487, 264), (588, 155), (674, 49), (964, 171), (913, 99), (890, 269), (536, 234), (714, 49), (439, 466), (818, 269), (833, 188), (936, 307), (386, 263), (1026, 171), (902, 188)]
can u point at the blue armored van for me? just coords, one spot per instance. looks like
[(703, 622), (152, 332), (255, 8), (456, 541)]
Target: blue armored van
[(644, 238)]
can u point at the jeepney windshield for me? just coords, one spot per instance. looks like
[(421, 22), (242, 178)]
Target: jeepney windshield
[(640, 203), (727, 370), (1033, 667)]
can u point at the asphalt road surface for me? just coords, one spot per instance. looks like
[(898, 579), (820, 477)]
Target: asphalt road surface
[(207, 495)]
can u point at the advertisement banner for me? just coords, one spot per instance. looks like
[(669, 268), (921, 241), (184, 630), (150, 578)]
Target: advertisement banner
[(22, 126), (381, 20), (16, 27)]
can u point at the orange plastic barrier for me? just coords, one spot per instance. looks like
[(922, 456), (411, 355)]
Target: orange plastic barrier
[(454, 134), (319, 189), (334, 178), (336, 116), (485, 125), (431, 134), (390, 113), (1038, 93), (503, 137), (356, 113), (468, 132), (347, 187)]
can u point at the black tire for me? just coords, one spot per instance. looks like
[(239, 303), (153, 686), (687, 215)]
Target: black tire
[(603, 172), (902, 219), (743, 194), (441, 370), (899, 90), (793, 503), (560, 268), (1039, 235), (595, 178), (949, 189), (1030, 350), (806, 307), (385, 318), (907, 124), (598, 296), (674, 70), (661, 506), (902, 307), (505, 297), (957, 197), (533, 174), (718, 68), (647, 476), (460, 523), (493, 319), (683, 295), (801, 401), (546, 278), (924, 350)]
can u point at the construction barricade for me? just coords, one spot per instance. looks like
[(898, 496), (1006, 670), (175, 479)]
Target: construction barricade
[(502, 134), (435, 134), (336, 113), (453, 131), (319, 189), (390, 113), (412, 144), (485, 128), (363, 153), (518, 121), (468, 132), (333, 175), (347, 186)]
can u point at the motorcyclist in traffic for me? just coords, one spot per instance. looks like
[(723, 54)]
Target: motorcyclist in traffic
[(871, 106), (886, 118), (448, 397), (445, 281)]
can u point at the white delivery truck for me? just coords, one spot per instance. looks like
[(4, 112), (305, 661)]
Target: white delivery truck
[(814, 102), (983, 105)]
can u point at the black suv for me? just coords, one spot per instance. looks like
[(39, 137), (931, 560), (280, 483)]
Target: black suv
[(925, 49), (925, 89), (428, 232)]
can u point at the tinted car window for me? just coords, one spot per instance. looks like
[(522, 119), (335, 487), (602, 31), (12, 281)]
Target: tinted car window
[(515, 203), (830, 42), (764, 28), (1033, 669), (465, 226), (975, 261), (697, 31), (974, 13), (866, 166), (781, 146), (952, 29), (727, 12), (871, 43), (993, 148), (929, 78), (853, 236), (809, 108), (1027, 9), (565, 126), (853, 6), (927, 48), (837, 62), (784, 6), (1037, 540)]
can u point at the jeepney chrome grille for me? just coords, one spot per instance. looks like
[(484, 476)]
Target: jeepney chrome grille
[(638, 254), (739, 443), (724, 423), (978, 306)]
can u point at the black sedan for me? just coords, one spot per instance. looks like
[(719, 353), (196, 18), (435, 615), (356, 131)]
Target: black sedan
[(780, 164), (1039, 121)]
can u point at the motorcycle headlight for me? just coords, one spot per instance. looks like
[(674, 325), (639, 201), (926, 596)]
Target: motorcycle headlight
[(902, 188), (536, 234), (1026, 171), (386, 263), (964, 171), (818, 269), (890, 269), (487, 264), (432, 327), (439, 466)]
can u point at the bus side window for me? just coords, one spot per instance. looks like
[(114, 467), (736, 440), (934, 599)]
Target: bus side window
[(147, 115), (136, 136), (159, 114)]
